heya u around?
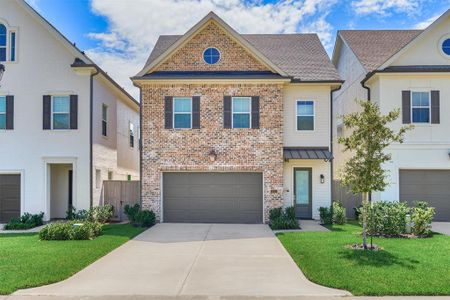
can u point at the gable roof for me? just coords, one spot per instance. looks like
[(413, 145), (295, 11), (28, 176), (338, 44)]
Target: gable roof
[(300, 56), (81, 59), (374, 47)]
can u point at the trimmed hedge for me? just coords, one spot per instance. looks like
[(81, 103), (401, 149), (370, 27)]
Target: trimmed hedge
[(26, 221), (72, 230), (283, 219)]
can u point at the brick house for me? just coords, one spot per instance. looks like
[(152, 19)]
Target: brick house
[(235, 124)]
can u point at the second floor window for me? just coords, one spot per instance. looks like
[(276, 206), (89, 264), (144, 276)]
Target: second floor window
[(131, 135), (420, 107), (241, 108), (2, 112), (182, 113), (5, 44), (305, 115), (3, 38), (104, 120), (61, 112)]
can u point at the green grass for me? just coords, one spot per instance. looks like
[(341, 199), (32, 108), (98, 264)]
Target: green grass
[(25, 261), (404, 267)]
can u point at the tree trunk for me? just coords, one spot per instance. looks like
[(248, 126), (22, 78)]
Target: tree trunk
[(365, 202)]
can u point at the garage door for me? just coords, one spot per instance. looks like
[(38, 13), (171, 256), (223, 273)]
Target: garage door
[(212, 197), (432, 186), (9, 197)]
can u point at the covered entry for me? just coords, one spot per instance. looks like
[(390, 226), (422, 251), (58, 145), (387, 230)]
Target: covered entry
[(9, 197), (211, 197)]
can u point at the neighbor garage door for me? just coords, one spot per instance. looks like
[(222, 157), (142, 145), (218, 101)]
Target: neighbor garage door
[(213, 197), (9, 197), (432, 186)]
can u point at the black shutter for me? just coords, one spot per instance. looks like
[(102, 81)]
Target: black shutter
[(406, 107), (46, 112), (435, 110), (9, 112), (196, 112), (227, 112), (168, 112), (73, 111), (255, 112)]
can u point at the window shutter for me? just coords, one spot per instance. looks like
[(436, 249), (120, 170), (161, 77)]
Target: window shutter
[(435, 110), (227, 112), (255, 112), (196, 112), (9, 112), (406, 107), (46, 112), (168, 112), (73, 111)]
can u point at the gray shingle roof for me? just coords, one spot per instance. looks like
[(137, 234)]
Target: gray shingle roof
[(375, 47), (301, 56)]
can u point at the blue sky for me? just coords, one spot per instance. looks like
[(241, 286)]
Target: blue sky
[(119, 34)]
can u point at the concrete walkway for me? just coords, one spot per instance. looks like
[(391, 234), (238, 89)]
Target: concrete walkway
[(193, 260), (441, 227)]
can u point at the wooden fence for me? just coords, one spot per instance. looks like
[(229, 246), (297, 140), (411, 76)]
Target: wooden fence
[(120, 193)]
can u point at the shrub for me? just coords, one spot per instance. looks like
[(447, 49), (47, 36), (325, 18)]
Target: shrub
[(26, 221), (283, 219), (72, 230), (338, 211), (387, 218), (100, 214), (140, 218), (326, 215), (421, 217), (131, 212), (73, 214)]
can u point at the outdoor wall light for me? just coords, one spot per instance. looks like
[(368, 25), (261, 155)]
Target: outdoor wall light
[(2, 71), (322, 178), (212, 155)]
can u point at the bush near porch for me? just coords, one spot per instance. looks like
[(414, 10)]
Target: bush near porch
[(405, 267)]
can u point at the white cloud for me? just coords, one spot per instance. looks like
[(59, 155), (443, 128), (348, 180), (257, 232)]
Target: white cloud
[(134, 26), (427, 22), (381, 7)]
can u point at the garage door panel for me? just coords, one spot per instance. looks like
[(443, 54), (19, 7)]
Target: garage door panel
[(432, 186), (212, 197)]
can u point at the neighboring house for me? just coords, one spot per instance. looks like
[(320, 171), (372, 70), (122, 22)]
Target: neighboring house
[(64, 123), (407, 70), (235, 124)]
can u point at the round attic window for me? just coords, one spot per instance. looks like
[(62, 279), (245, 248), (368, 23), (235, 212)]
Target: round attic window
[(446, 46), (211, 56)]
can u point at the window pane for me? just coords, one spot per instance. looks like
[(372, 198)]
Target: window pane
[(2, 121), (2, 35), (241, 105), (420, 99), (446, 46), (60, 121), (2, 54), (61, 104), (421, 115), (13, 46), (305, 123), (182, 121), (182, 105), (211, 55), (104, 113), (305, 108), (104, 128), (2, 104), (301, 187), (241, 120)]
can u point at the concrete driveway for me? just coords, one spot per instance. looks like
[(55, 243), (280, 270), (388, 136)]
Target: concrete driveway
[(193, 260), (441, 227)]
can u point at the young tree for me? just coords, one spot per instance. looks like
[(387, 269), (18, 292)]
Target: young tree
[(370, 135)]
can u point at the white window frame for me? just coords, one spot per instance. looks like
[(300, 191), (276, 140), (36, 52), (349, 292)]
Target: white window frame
[(420, 106), (203, 56), (105, 120), (10, 32), (181, 113), (130, 124), (3, 113), (297, 115), (241, 113), (52, 112)]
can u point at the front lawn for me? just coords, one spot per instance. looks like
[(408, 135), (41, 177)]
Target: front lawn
[(25, 261), (404, 267)]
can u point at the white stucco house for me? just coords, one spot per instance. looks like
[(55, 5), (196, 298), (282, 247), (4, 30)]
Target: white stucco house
[(65, 125), (409, 70)]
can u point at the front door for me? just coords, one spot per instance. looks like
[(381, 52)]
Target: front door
[(303, 192)]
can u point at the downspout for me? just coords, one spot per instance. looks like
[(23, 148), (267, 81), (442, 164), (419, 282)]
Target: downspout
[(363, 84), (140, 146), (91, 140), (331, 141)]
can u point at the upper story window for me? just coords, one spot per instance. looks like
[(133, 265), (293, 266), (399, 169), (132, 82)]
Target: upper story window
[(2, 112), (420, 107), (131, 135), (305, 115), (446, 46), (241, 108), (211, 56), (182, 113), (61, 112), (104, 120), (7, 45)]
